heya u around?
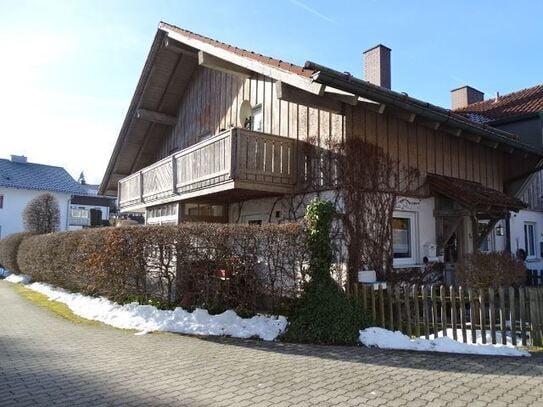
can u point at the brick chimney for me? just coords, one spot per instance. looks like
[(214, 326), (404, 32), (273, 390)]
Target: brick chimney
[(464, 96), (377, 66)]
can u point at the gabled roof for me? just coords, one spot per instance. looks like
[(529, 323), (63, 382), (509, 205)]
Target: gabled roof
[(37, 177), (174, 55), (276, 63), (518, 103)]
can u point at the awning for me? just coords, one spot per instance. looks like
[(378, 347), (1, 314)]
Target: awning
[(473, 195)]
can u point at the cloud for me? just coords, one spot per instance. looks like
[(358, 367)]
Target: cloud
[(311, 10)]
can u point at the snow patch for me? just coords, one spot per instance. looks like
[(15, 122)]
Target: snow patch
[(147, 318), (385, 339), (17, 278)]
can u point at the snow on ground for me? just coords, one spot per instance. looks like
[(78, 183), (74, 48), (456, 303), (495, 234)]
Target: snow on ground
[(479, 337), (385, 339), (147, 318), (17, 278)]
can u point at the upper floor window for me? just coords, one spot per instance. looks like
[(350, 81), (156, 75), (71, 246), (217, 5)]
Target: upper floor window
[(256, 118), (1, 201), (529, 239)]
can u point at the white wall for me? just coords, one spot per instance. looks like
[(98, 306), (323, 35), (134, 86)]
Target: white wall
[(15, 200), (517, 235), (423, 210)]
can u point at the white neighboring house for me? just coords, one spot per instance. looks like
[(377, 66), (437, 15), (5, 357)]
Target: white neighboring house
[(21, 181)]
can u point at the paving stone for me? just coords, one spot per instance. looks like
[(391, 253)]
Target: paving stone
[(46, 360)]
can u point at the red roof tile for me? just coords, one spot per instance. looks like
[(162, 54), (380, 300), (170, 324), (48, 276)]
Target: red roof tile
[(277, 63), (514, 104)]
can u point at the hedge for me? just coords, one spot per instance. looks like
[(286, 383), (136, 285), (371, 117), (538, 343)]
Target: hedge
[(214, 266), (9, 247)]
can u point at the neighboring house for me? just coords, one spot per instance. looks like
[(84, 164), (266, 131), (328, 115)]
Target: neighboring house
[(520, 113), (91, 209), (21, 181), (218, 133)]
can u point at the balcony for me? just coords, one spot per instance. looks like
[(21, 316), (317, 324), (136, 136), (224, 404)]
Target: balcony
[(233, 165)]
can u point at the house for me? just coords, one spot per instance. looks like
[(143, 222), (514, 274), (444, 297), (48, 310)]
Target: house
[(520, 113), (90, 209), (21, 181), (218, 133)]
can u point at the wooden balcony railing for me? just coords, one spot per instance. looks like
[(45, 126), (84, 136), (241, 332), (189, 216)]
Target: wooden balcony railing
[(236, 159)]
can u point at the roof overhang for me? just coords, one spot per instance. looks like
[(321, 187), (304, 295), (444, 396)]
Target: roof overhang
[(474, 196), (430, 115)]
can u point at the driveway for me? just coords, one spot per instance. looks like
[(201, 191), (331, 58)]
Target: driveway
[(46, 360)]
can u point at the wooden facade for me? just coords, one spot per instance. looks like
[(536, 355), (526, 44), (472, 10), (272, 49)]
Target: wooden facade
[(212, 101)]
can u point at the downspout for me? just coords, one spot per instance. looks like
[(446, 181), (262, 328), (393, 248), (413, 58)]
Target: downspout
[(508, 232)]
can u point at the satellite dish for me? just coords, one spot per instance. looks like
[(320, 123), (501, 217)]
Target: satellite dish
[(245, 111)]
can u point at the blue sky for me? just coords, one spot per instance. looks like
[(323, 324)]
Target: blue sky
[(68, 68)]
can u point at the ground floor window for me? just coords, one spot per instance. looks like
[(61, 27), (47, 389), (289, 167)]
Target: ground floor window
[(403, 238), (529, 239), (163, 214)]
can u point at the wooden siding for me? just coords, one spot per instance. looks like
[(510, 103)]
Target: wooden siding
[(212, 101), (532, 193)]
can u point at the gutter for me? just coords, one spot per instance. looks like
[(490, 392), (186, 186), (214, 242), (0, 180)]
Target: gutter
[(365, 89)]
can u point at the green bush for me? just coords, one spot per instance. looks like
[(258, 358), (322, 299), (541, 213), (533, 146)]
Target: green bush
[(324, 314), (9, 246)]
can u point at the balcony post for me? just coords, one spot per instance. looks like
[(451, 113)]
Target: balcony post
[(174, 175), (141, 186), (234, 143)]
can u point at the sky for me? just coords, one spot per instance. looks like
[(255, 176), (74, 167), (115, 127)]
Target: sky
[(68, 69)]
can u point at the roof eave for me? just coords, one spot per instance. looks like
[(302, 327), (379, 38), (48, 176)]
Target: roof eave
[(157, 42), (379, 94)]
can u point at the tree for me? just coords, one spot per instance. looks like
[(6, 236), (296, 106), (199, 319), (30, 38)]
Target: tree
[(42, 214)]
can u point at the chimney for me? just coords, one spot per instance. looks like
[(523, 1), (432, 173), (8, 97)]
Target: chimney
[(18, 159), (377, 66), (464, 96)]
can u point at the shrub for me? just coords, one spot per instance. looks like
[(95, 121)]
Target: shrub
[(324, 313), (41, 214), (483, 270), (213, 266), (9, 246)]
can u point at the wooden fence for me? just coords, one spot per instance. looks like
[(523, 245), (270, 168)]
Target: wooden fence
[(458, 312), (534, 278)]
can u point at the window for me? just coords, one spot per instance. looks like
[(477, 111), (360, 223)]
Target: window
[(256, 118), (487, 243), (194, 209), (79, 213), (403, 238), (529, 239), (1, 201), (162, 214)]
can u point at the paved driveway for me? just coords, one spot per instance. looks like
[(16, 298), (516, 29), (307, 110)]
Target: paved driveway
[(46, 360)]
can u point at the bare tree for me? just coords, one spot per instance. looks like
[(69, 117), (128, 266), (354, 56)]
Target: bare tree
[(370, 185), (42, 214)]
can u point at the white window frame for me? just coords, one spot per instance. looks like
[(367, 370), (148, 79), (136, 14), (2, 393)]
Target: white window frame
[(530, 256), (413, 241)]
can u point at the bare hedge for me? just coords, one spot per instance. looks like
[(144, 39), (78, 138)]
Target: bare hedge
[(215, 266), (9, 246), (482, 270)]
